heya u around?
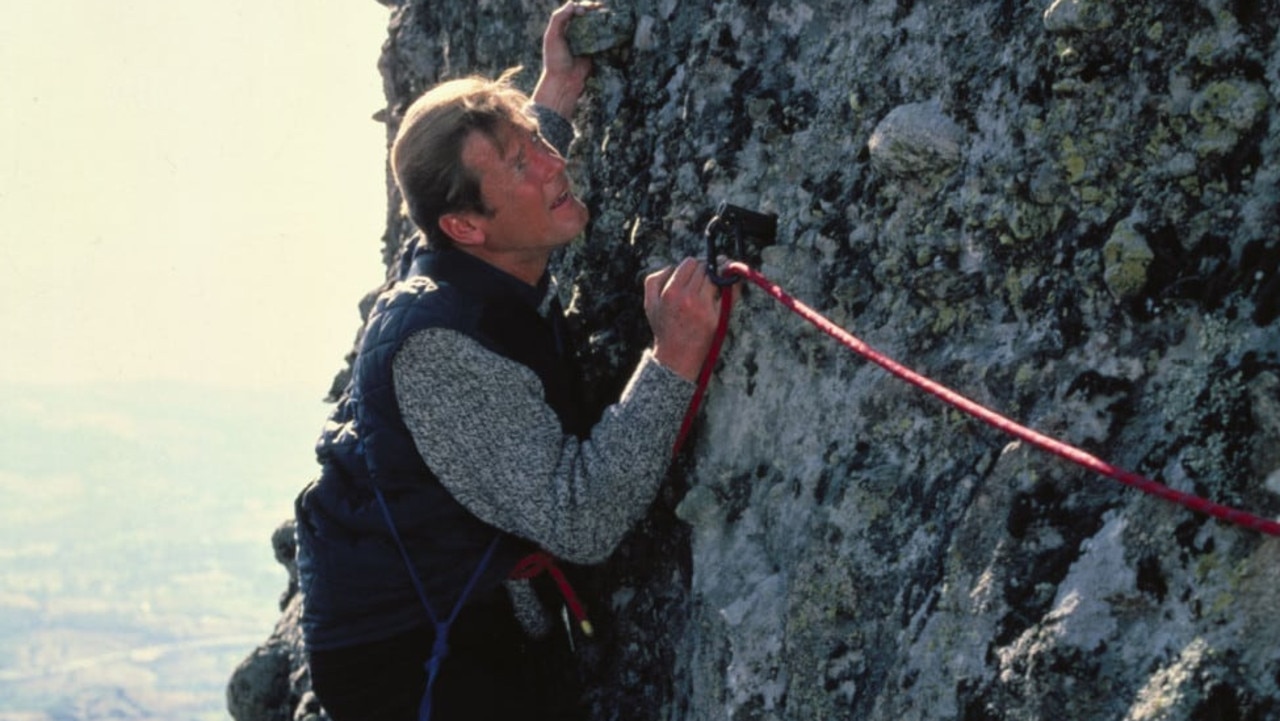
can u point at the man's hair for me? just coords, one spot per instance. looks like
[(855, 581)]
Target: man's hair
[(426, 156)]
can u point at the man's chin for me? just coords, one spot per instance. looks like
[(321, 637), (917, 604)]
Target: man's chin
[(576, 215)]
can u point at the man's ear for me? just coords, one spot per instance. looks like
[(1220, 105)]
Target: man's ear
[(462, 228)]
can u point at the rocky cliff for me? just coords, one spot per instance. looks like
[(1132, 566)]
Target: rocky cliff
[(1065, 209)]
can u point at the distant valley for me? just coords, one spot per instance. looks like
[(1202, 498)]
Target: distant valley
[(136, 568)]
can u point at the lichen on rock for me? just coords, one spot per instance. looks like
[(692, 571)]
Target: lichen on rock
[(1126, 258)]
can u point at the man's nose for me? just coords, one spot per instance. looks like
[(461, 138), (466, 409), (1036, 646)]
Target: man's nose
[(549, 162)]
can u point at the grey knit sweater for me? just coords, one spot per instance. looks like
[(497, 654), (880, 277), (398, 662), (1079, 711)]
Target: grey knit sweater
[(482, 425)]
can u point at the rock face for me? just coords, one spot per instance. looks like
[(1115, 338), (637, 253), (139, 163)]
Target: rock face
[(1065, 209)]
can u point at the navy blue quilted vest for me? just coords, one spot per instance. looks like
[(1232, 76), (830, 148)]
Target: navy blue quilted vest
[(356, 587)]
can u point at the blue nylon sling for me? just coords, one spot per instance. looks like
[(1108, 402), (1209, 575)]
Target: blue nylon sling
[(440, 647)]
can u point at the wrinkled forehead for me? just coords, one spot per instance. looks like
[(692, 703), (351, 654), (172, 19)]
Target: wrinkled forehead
[(485, 148), (505, 135)]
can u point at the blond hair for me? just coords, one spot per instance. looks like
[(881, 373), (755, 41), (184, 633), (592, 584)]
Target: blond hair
[(426, 156)]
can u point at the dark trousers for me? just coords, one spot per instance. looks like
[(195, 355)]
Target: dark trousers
[(493, 671)]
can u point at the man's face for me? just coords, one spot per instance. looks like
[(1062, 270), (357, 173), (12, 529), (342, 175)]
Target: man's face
[(524, 183)]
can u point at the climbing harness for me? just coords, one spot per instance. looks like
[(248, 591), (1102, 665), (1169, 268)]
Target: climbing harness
[(526, 568), (440, 646), (736, 270)]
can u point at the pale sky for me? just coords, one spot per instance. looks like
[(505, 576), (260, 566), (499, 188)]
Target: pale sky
[(188, 190)]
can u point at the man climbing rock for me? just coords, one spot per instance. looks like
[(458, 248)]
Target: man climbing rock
[(459, 461)]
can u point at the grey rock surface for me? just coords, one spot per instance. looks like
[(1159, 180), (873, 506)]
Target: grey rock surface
[(915, 139), (272, 683), (601, 30), (1097, 257)]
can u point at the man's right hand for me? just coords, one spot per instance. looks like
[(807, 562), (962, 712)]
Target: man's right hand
[(564, 75), (683, 310)]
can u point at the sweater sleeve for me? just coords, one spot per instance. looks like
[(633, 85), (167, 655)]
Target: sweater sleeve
[(483, 427), (558, 131)]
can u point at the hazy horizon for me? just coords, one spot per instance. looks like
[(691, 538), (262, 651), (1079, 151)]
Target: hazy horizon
[(135, 544)]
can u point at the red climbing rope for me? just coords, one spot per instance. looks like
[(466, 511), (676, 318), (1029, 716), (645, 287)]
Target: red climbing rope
[(704, 375), (1039, 440)]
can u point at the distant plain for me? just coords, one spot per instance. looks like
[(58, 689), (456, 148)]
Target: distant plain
[(136, 567)]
